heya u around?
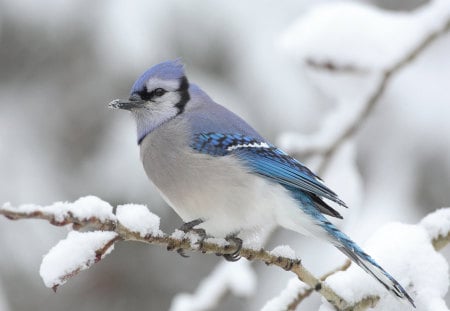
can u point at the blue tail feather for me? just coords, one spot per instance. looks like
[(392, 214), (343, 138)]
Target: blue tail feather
[(362, 259), (350, 248)]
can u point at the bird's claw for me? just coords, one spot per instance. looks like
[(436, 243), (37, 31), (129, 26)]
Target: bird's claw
[(235, 256), (182, 253), (189, 227)]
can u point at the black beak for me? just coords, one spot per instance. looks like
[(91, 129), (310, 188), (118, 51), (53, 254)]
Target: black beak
[(126, 104)]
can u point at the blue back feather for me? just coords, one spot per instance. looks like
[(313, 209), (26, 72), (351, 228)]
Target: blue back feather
[(268, 161)]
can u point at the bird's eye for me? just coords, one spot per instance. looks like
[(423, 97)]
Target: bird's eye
[(159, 92)]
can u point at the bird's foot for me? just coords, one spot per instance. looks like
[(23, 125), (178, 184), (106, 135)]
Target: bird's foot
[(237, 242), (189, 227)]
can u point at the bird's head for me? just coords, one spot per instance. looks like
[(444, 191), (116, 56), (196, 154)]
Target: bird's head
[(158, 95)]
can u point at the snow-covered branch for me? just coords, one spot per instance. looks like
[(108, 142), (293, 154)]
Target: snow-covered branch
[(296, 291), (238, 278), (308, 40), (426, 271), (133, 223), (98, 229)]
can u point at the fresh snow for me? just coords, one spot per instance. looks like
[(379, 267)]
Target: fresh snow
[(361, 36), (294, 288), (138, 218), (284, 251), (75, 253), (83, 208), (437, 223), (221, 242), (178, 234)]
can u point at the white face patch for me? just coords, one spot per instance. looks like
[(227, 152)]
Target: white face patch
[(159, 109), (253, 145)]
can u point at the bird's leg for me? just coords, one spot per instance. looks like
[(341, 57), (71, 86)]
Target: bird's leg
[(189, 226), (233, 239)]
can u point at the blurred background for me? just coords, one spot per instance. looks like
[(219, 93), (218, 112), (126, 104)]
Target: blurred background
[(61, 62)]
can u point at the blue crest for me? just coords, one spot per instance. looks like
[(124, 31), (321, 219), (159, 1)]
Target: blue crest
[(168, 70)]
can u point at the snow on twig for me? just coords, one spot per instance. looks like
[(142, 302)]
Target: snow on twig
[(437, 226), (89, 208), (79, 251), (418, 32), (293, 290), (137, 218)]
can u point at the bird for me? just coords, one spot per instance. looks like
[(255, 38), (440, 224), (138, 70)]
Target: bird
[(221, 176)]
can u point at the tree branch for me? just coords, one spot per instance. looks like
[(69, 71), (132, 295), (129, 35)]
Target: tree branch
[(304, 294), (374, 97), (190, 241), (107, 222), (187, 242), (327, 151)]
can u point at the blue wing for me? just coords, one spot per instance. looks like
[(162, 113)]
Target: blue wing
[(267, 160)]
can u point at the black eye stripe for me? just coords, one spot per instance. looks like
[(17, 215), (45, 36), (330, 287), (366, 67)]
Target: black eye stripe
[(159, 92), (145, 95)]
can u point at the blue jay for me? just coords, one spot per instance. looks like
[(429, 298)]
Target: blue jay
[(220, 175)]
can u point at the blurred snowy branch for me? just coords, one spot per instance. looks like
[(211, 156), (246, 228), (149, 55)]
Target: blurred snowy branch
[(426, 271), (356, 291), (366, 62), (296, 291), (238, 277), (356, 77)]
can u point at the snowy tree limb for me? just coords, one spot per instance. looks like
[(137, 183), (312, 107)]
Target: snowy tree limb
[(437, 225), (238, 278), (304, 294), (136, 223), (328, 148), (178, 240), (374, 97), (338, 129)]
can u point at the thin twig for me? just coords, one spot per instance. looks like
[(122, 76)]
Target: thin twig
[(304, 294)]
